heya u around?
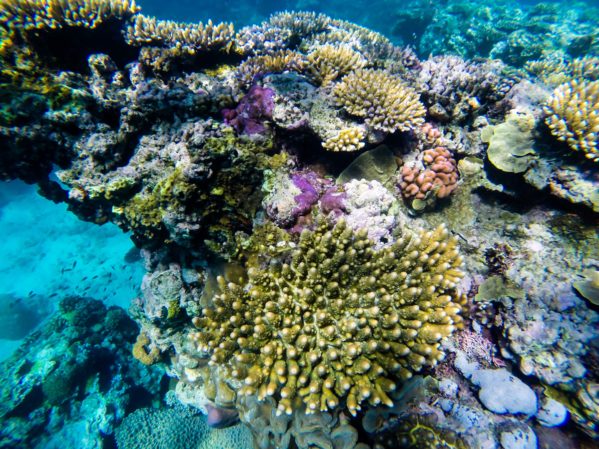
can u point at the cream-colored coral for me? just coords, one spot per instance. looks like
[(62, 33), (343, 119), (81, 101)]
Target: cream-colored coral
[(384, 101), (277, 62), (573, 116), (190, 36), (329, 62), (335, 321), (40, 14), (301, 23), (349, 139)]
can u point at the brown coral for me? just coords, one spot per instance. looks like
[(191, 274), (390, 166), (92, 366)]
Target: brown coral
[(384, 101), (573, 116), (336, 320), (144, 350)]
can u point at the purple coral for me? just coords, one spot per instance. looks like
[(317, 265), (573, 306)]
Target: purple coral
[(252, 111)]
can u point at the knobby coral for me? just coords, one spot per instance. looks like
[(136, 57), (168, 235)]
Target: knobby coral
[(573, 116), (337, 320), (382, 99)]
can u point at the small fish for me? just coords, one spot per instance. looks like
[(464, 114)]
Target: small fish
[(53, 295), (74, 264), (87, 288), (84, 278), (95, 277), (30, 294), (130, 277)]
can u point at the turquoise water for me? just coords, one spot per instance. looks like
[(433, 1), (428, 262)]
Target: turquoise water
[(340, 225)]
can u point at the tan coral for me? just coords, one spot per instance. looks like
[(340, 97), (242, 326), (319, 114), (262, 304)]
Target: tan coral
[(52, 14), (329, 62), (336, 321), (144, 350), (384, 101), (349, 139), (573, 116), (277, 62), (188, 36)]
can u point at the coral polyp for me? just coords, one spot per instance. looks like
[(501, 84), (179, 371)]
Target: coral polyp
[(336, 321)]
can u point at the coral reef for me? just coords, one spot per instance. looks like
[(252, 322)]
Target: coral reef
[(573, 116), (381, 99), (296, 337), (73, 380), (328, 62), (254, 108), (349, 139)]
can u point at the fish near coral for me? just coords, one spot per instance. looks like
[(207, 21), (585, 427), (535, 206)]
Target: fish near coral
[(336, 321)]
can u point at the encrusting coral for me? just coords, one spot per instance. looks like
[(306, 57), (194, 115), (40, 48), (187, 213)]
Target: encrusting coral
[(573, 116), (338, 321), (349, 139), (382, 99)]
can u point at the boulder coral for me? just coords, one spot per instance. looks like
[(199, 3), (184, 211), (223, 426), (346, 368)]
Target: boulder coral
[(337, 321)]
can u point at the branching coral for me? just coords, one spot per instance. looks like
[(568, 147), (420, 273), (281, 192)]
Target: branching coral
[(337, 320), (383, 100), (329, 62), (300, 23), (349, 139), (186, 36), (277, 62), (573, 116), (46, 14)]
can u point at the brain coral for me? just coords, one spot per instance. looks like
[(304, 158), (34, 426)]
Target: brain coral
[(573, 116), (382, 99), (337, 320)]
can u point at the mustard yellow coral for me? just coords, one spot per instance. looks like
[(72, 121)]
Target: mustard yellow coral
[(573, 116), (336, 320), (349, 139), (329, 62), (39, 14), (382, 99)]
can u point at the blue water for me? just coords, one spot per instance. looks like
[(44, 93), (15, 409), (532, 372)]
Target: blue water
[(48, 253)]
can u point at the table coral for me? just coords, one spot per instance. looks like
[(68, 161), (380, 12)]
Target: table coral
[(383, 100), (340, 321), (573, 116)]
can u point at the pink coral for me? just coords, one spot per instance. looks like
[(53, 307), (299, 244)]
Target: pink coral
[(440, 175)]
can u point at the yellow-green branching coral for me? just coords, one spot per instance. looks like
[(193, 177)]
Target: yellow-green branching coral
[(329, 62), (384, 101), (573, 116), (336, 321), (52, 14), (348, 139)]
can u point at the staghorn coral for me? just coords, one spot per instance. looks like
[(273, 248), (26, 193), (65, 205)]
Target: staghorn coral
[(30, 15), (185, 37), (556, 71), (339, 320), (348, 139), (573, 116), (277, 62), (383, 100), (329, 62), (300, 23)]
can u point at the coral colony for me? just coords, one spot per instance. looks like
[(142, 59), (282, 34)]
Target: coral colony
[(346, 246)]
